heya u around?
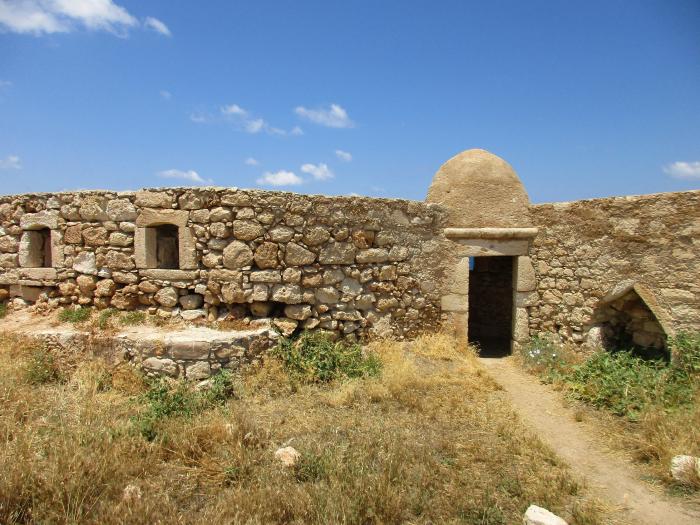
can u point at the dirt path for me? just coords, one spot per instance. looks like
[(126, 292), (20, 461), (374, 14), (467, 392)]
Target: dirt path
[(613, 478)]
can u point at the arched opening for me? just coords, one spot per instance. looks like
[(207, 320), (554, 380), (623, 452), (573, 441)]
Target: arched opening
[(38, 248), (167, 247), (626, 323)]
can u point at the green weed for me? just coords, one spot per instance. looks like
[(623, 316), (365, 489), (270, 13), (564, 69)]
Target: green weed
[(315, 358), (74, 315), (621, 381), (166, 399), (3, 310)]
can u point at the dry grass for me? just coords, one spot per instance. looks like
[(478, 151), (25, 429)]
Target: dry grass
[(425, 442), (653, 440)]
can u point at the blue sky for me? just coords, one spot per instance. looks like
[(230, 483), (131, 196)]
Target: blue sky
[(584, 99)]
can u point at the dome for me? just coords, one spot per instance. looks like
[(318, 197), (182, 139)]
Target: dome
[(480, 190)]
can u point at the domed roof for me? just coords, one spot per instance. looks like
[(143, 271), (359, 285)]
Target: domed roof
[(480, 190)]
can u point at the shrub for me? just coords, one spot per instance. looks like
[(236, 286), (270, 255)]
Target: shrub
[(315, 357), (74, 315), (41, 368), (620, 382)]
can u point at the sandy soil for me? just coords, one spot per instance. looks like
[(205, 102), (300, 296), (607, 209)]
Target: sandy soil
[(579, 444)]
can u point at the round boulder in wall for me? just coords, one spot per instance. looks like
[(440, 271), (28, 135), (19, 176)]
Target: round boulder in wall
[(480, 190)]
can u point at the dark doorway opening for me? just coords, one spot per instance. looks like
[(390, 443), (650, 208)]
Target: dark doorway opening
[(167, 247), (491, 304)]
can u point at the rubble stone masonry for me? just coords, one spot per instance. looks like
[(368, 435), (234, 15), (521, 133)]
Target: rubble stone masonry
[(590, 253), (355, 266), (625, 268)]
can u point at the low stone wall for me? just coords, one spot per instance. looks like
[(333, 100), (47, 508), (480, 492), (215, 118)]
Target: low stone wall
[(355, 266), (589, 254), (193, 353)]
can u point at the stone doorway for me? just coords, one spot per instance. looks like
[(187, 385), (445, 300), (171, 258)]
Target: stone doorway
[(490, 321)]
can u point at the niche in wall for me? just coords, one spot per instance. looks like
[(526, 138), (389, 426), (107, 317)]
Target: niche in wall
[(163, 241), (628, 323), (166, 246), (36, 248), (40, 244)]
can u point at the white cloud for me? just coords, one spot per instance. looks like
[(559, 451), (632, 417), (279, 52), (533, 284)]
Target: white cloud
[(165, 94), (190, 176), (199, 118), (233, 109), (683, 170), (333, 117), (11, 162), (255, 126), (62, 16), (250, 161), (244, 120), (279, 178), (157, 26), (318, 172), (5, 83), (343, 155)]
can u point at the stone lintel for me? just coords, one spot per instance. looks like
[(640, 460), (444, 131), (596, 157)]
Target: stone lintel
[(490, 233), (488, 248), (156, 217), (39, 220)]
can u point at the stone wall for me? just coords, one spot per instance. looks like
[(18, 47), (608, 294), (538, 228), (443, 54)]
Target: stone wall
[(590, 254), (356, 266), (359, 267)]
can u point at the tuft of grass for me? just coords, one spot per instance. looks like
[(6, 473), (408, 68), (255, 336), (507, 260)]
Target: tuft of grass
[(315, 358), (3, 310), (311, 467), (41, 367), (74, 315), (133, 318), (103, 320)]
